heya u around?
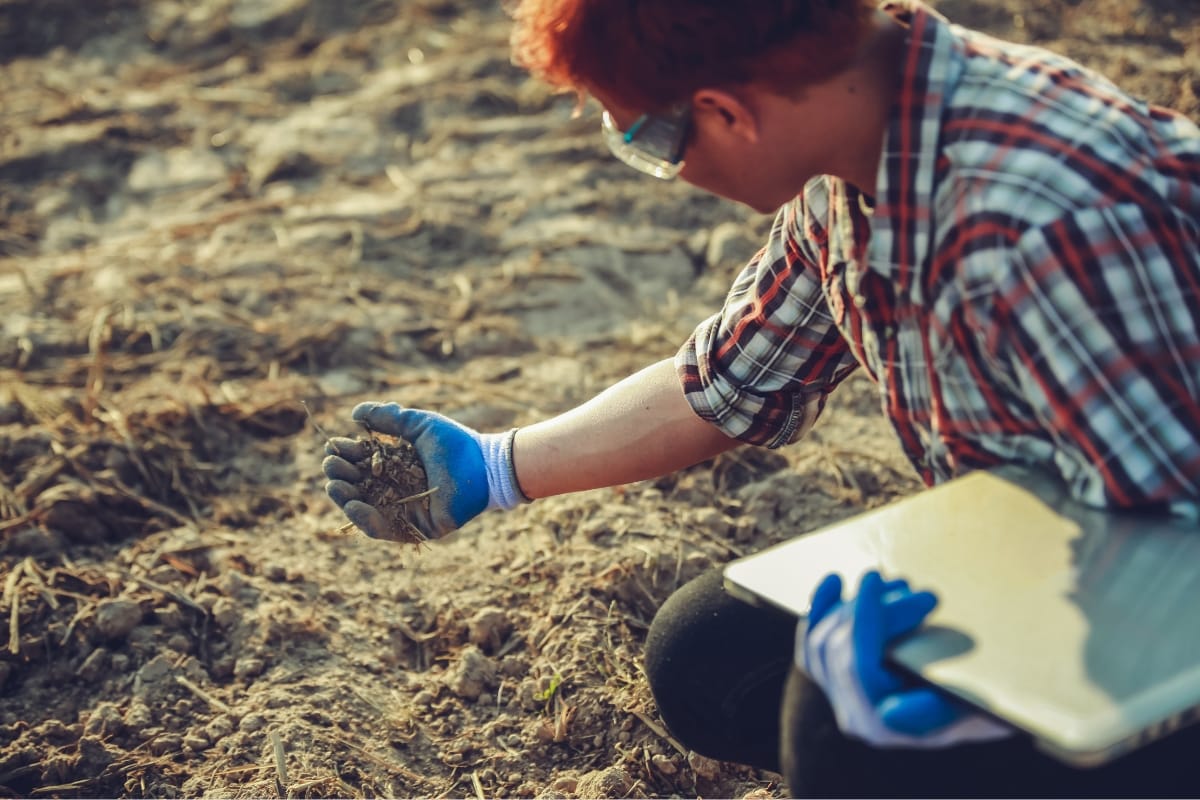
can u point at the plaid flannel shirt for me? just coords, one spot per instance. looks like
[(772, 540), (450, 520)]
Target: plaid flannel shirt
[(1027, 289)]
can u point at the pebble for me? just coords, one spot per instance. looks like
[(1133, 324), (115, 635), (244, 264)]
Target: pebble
[(195, 742), (152, 671), (219, 728), (116, 618), (180, 643), (167, 743), (248, 667), (608, 782), (472, 674), (252, 722), (105, 720), (138, 715), (664, 765), (170, 616), (94, 754), (226, 614), (94, 665), (489, 628)]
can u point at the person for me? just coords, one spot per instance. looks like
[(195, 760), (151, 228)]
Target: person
[(1007, 244)]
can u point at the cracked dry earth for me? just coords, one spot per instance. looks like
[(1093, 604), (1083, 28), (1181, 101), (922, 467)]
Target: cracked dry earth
[(224, 223)]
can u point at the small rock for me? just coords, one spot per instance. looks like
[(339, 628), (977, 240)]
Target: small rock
[(36, 541), (104, 721), (248, 667), (608, 782), (704, 767), (154, 670), (489, 628), (226, 614), (170, 616), (196, 742), (472, 675), (219, 728), (167, 743), (223, 667), (664, 765), (180, 643), (138, 715), (252, 722), (94, 754), (116, 618), (566, 784), (94, 666)]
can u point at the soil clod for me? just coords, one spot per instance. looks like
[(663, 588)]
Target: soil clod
[(395, 484)]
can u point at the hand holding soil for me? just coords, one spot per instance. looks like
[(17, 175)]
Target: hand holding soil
[(393, 483)]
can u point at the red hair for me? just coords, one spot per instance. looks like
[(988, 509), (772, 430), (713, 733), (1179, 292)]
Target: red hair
[(652, 54)]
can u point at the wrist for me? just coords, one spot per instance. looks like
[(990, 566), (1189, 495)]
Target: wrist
[(504, 492)]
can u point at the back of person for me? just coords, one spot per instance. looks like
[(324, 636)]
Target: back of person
[(1027, 288)]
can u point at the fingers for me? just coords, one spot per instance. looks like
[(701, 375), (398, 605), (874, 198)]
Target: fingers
[(341, 492), (883, 611), (827, 595), (905, 612), (348, 449), (868, 638), (339, 469), (918, 712), (390, 418), (368, 519)]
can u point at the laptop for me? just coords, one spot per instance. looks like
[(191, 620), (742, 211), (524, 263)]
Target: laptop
[(1076, 626)]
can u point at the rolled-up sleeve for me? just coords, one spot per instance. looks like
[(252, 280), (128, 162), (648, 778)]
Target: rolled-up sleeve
[(761, 369)]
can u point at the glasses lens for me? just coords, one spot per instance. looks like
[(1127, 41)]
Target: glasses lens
[(653, 145)]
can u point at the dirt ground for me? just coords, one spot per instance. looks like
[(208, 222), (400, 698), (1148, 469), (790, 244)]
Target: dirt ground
[(225, 222)]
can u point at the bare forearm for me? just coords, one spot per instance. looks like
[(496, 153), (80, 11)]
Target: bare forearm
[(640, 428)]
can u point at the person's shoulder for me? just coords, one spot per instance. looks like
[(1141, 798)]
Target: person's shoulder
[(1025, 128)]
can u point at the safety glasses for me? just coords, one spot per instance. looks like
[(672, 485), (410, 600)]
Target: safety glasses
[(652, 144)]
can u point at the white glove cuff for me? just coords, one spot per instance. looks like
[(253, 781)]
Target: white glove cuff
[(503, 490)]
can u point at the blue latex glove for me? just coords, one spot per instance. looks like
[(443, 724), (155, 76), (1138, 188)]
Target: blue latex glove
[(842, 647), (472, 471)]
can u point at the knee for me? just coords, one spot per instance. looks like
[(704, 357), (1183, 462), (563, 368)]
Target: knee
[(683, 631), (715, 666)]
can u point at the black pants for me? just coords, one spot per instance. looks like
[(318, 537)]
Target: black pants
[(721, 673)]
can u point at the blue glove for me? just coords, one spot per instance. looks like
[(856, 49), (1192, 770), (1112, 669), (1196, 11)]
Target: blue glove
[(841, 646), (473, 472)]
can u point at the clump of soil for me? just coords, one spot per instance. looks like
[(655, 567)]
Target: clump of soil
[(395, 484)]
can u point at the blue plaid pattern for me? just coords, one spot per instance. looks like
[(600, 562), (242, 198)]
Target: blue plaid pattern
[(1027, 289)]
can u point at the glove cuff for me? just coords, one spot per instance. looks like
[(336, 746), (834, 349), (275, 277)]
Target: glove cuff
[(503, 490)]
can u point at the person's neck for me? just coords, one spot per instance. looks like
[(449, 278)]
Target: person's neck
[(856, 105)]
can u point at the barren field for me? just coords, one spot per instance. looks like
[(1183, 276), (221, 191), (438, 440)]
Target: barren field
[(225, 222)]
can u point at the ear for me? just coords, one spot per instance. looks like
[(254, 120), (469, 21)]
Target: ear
[(725, 113)]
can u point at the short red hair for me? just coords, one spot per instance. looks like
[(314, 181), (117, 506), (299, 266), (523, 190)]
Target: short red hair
[(653, 54)]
